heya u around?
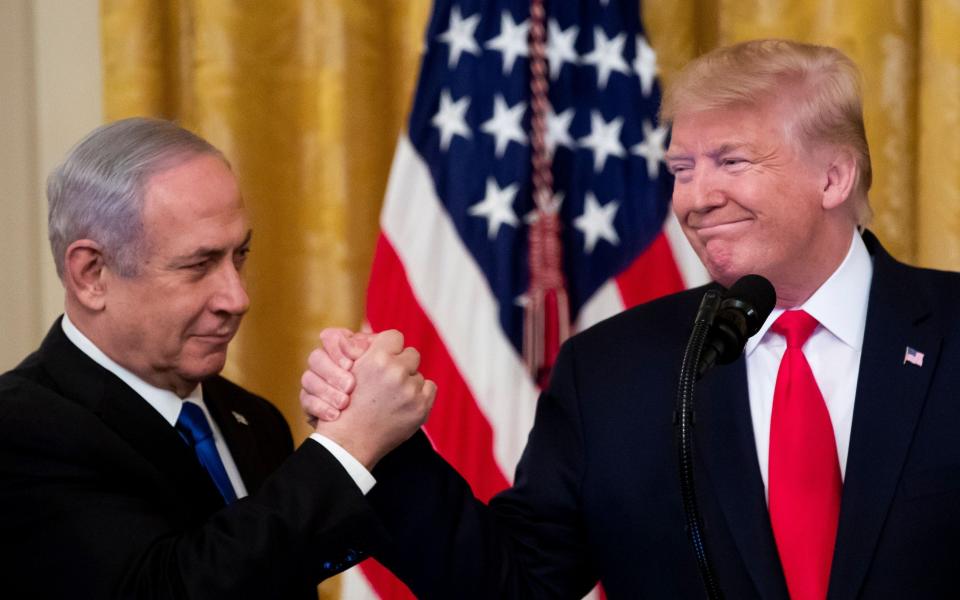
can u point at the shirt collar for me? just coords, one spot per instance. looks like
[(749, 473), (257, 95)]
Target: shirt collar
[(840, 304), (165, 402)]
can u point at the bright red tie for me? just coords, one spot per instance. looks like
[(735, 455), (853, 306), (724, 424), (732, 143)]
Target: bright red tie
[(804, 477)]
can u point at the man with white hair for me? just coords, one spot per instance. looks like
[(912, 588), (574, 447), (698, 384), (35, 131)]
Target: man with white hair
[(827, 458), (128, 467)]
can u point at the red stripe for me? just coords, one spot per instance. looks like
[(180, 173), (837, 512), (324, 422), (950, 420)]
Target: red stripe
[(653, 274), (457, 428)]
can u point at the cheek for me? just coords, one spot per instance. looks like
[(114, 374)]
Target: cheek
[(680, 204)]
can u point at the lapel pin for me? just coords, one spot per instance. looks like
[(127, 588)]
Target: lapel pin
[(243, 420), (913, 357)]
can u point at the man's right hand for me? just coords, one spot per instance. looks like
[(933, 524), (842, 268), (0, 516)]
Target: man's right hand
[(388, 398)]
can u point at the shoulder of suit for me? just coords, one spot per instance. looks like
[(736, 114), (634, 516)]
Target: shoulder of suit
[(656, 317), (235, 397)]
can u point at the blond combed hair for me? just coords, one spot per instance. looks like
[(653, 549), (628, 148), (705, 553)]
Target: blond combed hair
[(821, 84)]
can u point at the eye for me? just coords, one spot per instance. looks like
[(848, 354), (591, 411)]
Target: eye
[(240, 257), (733, 161), (201, 265), (682, 171)]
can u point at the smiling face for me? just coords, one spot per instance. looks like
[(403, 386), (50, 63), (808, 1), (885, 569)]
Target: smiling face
[(752, 200), (171, 323)]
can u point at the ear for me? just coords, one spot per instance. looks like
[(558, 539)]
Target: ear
[(841, 176), (84, 274)]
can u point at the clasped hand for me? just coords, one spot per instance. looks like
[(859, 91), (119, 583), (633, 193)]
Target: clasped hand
[(364, 392)]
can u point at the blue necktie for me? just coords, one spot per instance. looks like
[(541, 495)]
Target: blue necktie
[(194, 428)]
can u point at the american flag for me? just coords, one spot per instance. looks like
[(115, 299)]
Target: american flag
[(913, 357), (451, 267)]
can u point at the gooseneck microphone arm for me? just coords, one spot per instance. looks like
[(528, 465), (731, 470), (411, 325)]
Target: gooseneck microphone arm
[(720, 330), (683, 419)]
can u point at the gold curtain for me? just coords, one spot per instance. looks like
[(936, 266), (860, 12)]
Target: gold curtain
[(307, 97)]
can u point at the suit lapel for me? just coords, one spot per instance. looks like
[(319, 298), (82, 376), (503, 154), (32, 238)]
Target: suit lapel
[(727, 449), (132, 419), (890, 397), (238, 432)]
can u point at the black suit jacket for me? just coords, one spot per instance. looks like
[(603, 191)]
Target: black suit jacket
[(101, 498), (596, 494)]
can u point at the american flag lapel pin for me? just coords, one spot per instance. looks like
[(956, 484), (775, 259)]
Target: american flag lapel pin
[(912, 356), (243, 420)]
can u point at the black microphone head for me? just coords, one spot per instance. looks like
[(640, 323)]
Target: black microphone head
[(755, 297)]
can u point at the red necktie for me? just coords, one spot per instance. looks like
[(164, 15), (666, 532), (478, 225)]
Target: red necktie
[(804, 477)]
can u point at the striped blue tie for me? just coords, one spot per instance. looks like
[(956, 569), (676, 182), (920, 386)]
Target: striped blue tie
[(194, 428)]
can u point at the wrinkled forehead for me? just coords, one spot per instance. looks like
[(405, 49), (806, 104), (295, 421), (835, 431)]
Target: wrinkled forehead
[(756, 124), (198, 198)]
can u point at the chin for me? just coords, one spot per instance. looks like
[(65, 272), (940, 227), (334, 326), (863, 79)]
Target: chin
[(204, 368), (725, 274)]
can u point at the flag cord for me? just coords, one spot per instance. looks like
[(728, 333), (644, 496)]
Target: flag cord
[(547, 313)]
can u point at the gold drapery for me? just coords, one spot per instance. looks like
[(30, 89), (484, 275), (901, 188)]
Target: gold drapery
[(307, 97)]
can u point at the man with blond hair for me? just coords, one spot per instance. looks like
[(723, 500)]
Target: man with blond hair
[(827, 462)]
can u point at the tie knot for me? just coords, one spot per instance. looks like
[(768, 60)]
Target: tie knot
[(192, 424), (795, 325)]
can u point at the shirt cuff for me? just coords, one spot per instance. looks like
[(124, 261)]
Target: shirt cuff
[(360, 475)]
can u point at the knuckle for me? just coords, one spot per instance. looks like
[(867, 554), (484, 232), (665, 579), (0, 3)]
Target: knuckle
[(412, 357), (380, 360), (395, 373)]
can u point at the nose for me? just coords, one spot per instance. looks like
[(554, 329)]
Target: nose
[(231, 294)]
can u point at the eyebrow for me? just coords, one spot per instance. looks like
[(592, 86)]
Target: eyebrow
[(714, 153), (727, 148)]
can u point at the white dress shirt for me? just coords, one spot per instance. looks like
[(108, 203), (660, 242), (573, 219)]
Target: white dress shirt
[(163, 401), (833, 351), (169, 404)]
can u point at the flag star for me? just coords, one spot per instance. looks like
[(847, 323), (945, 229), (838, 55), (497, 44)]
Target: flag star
[(460, 36), (604, 139), (596, 223), (552, 207), (504, 125), (496, 207), (451, 118), (645, 64), (607, 56), (558, 130), (512, 41), (560, 47), (651, 148)]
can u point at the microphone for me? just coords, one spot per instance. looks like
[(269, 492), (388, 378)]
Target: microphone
[(741, 313)]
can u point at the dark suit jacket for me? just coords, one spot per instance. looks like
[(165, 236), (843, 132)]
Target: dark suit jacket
[(596, 494), (101, 498)]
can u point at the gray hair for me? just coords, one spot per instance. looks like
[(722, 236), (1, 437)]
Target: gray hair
[(98, 191)]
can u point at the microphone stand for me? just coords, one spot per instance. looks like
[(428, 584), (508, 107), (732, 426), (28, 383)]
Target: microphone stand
[(683, 420)]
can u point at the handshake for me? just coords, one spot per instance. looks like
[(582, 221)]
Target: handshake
[(364, 392)]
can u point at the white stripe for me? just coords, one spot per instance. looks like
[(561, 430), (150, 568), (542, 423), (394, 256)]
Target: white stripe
[(354, 586), (605, 302), (691, 269), (454, 294)]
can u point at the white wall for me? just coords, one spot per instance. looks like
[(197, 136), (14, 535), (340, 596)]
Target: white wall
[(50, 96)]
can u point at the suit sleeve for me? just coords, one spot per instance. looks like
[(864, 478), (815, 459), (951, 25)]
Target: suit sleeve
[(530, 542), (78, 520)]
